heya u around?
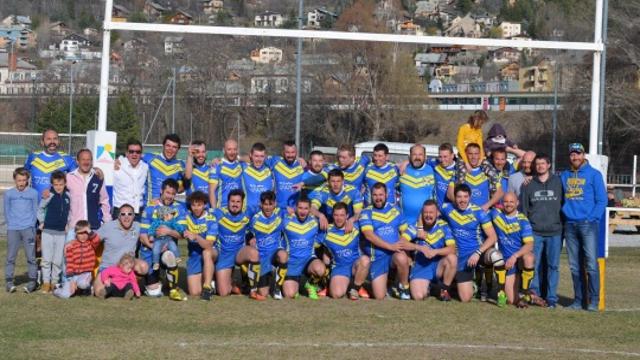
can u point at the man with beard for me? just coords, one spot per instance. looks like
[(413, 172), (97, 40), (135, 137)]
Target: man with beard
[(196, 172), (519, 178), (417, 184), (164, 166), (287, 172), (42, 164), (256, 178), (380, 170), (335, 191)]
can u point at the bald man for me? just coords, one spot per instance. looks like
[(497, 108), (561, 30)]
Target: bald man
[(225, 176), (525, 170)]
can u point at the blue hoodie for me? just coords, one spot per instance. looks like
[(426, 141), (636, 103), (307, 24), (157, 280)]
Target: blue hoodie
[(585, 196)]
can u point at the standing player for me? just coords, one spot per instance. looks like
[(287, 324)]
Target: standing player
[(435, 256), (256, 178), (42, 164), (201, 231), (287, 172), (196, 172), (380, 170), (384, 228), (266, 227), (482, 179), (232, 232), (164, 166), (169, 189), (502, 166), (353, 168), (225, 176), (300, 232), (336, 191), (417, 184), (444, 170), (515, 241), (475, 238), (315, 175), (348, 262)]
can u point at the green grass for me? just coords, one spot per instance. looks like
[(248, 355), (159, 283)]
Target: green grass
[(41, 326)]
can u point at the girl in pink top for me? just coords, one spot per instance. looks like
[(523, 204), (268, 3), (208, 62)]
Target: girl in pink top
[(120, 280)]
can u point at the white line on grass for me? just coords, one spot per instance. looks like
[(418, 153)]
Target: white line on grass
[(406, 344), (622, 310)]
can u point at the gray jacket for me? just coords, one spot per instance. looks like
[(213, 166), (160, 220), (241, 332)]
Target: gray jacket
[(542, 204)]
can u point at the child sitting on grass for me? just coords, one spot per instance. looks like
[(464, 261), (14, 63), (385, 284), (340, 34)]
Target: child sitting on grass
[(167, 218), (119, 280), (80, 255)]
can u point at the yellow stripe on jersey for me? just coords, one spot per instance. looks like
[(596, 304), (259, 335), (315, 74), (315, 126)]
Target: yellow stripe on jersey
[(387, 217), (462, 219), (288, 172), (233, 226), (165, 169), (476, 180), (446, 174), (267, 228), (366, 228), (351, 176), (344, 239), (258, 175), (507, 228), (301, 228), (193, 227), (204, 175), (417, 182), (47, 167), (231, 172), (380, 176)]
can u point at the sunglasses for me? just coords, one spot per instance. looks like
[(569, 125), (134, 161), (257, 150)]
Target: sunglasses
[(126, 214), (82, 233), (134, 151)]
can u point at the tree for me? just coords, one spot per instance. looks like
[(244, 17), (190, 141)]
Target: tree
[(123, 120), (495, 32), (464, 6)]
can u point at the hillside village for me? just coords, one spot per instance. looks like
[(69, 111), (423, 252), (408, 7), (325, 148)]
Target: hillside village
[(36, 58)]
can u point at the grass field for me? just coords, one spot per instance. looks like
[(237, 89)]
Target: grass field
[(40, 326)]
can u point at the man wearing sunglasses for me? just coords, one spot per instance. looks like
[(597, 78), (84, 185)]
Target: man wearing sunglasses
[(119, 237), (129, 180)]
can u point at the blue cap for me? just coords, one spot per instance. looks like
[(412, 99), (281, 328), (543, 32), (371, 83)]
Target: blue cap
[(576, 147)]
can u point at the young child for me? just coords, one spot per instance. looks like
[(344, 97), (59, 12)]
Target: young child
[(167, 218), (53, 215), (80, 256), (20, 208), (120, 280)]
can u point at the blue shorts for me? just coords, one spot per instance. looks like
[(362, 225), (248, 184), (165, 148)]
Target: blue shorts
[(194, 262), (298, 266), (226, 259), (345, 270), (462, 262), (145, 254), (267, 260), (380, 265), (424, 268)]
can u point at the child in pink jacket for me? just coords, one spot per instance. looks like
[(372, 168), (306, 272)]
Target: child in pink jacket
[(120, 280)]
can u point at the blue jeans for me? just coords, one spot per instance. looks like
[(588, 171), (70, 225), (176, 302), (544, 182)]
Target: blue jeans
[(582, 244), (159, 244), (550, 246)]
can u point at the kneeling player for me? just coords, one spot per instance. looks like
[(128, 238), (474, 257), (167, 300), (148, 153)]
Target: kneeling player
[(468, 223), (384, 227), (266, 227), (435, 255), (201, 233), (300, 232), (347, 259), (232, 232), (515, 240)]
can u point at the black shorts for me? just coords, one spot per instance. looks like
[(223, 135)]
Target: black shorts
[(466, 274)]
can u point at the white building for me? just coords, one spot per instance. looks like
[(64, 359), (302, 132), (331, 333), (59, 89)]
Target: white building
[(268, 19), (173, 45), (267, 55), (315, 17), (510, 29)]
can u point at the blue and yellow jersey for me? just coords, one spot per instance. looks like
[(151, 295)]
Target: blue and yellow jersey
[(387, 174), (300, 236), (438, 237), (267, 230), (206, 226), (354, 174), (285, 176), (387, 223), (416, 186), (504, 176), (467, 227), (254, 182), (480, 185), (161, 169), (199, 179), (323, 200), (344, 247), (225, 176), (443, 176), (41, 165), (151, 214), (232, 230), (313, 181), (512, 231)]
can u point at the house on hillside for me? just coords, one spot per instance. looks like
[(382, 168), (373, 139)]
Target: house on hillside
[(537, 78), (17, 20), (427, 9), (266, 55), (510, 72), (181, 17), (154, 10), (464, 27), (174, 45), (16, 75), (504, 55), (316, 16), (21, 38), (427, 62), (211, 7), (485, 19), (510, 29), (59, 28), (81, 41), (268, 19), (408, 27), (119, 13)]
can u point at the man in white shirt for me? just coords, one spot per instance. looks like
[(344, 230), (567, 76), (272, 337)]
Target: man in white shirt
[(129, 180)]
